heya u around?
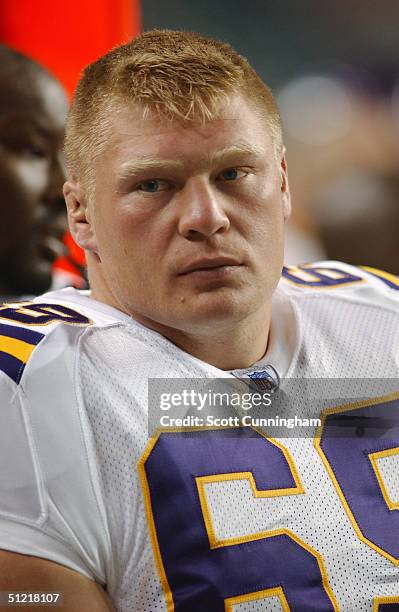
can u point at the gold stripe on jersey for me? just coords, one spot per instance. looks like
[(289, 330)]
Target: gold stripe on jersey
[(214, 542), (392, 505), (258, 595), (17, 348), (308, 275), (319, 431), (170, 606), (202, 481), (382, 274), (208, 521), (384, 600), (38, 314)]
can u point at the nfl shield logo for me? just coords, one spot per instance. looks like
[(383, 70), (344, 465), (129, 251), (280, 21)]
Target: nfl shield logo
[(265, 380)]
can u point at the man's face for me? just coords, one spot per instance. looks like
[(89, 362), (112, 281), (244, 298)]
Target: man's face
[(188, 218), (31, 176)]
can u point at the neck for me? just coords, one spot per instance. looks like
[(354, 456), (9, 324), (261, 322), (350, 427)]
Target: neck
[(233, 347), (227, 345)]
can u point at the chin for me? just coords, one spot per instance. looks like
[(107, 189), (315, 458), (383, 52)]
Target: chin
[(218, 310)]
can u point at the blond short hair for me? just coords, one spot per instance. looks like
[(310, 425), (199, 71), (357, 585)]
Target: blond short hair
[(181, 75)]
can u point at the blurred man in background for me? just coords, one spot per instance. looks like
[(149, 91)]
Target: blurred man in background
[(178, 193), (33, 109)]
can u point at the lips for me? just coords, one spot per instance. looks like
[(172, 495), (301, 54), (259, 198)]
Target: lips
[(204, 264)]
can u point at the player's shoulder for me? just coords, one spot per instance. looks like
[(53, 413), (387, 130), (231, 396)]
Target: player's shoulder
[(44, 436), (45, 325), (342, 280)]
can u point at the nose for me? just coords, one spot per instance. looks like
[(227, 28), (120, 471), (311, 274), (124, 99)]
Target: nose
[(57, 177), (50, 214), (202, 211)]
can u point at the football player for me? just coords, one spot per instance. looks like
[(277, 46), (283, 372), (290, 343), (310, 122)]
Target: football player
[(33, 109), (178, 193)]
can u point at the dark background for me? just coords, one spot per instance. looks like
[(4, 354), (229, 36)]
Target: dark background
[(342, 143), (281, 39)]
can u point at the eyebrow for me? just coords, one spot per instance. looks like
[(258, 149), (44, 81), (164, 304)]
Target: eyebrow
[(149, 163), (142, 164), (234, 152)]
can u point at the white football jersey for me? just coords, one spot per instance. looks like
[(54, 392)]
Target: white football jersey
[(243, 518)]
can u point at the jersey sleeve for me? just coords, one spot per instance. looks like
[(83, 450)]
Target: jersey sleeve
[(50, 499), (361, 283)]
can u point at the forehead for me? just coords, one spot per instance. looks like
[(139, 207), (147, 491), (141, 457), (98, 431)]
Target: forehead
[(36, 98), (237, 126)]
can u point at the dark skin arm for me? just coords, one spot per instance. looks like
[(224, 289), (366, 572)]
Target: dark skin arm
[(25, 573)]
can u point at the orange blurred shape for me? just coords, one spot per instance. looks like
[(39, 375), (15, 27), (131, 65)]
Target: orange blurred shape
[(65, 36), (74, 261)]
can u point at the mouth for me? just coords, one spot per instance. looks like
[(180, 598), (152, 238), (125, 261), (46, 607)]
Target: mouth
[(214, 266)]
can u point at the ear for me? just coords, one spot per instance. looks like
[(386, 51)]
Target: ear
[(285, 188), (79, 217)]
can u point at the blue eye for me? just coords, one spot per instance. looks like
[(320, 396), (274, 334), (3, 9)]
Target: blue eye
[(153, 186), (231, 174), (149, 186)]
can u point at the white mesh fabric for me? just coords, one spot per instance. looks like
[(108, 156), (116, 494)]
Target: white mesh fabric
[(389, 469), (318, 518), (114, 367), (268, 604), (344, 338)]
